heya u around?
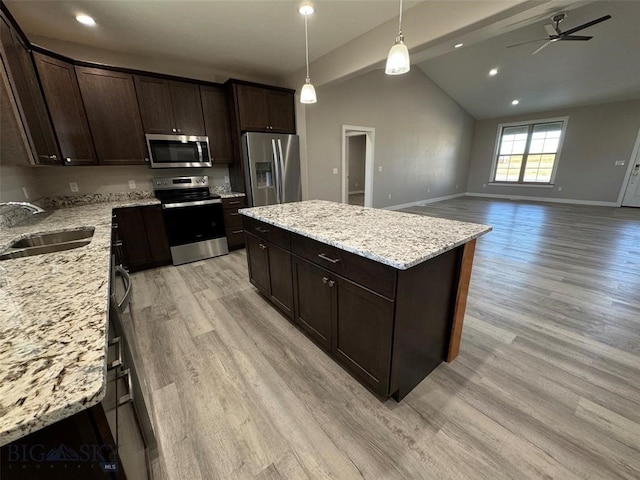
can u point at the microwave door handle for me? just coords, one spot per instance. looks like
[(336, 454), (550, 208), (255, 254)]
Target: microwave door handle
[(276, 171), (281, 168), (199, 147)]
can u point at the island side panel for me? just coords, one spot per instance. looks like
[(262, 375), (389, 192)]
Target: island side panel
[(425, 305), (461, 299)]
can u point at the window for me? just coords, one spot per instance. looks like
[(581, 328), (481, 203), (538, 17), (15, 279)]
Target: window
[(528, 153)]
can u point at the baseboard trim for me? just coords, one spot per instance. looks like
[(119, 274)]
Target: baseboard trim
[(544, 199), (424, 202), (356, 192)]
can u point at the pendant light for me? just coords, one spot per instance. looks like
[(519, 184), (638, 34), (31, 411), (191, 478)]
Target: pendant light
[(398, 59), (308, 92)]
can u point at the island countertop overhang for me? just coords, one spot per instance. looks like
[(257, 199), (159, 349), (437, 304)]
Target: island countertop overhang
[(400, 240)]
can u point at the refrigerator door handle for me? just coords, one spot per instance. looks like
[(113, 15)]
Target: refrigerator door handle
[(281, 167), (276, 169)]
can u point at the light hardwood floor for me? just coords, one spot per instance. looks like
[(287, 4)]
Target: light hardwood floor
[(547, 384)]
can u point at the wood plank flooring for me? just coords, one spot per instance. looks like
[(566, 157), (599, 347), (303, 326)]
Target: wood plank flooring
[(547, 383)]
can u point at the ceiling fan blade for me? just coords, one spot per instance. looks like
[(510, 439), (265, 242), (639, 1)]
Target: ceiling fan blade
[(530, 41), (574, 37), (586, 25), (541, 47)]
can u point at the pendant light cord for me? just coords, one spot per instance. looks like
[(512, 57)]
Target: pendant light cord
[(306, 44), (400, 20)]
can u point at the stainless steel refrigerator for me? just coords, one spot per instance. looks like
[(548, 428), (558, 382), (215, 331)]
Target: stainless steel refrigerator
[(272, 168)]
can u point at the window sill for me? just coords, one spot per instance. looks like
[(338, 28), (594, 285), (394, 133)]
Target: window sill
[(516, 184)]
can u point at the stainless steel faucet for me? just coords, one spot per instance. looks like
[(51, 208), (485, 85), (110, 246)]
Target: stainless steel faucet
[(29, 206)]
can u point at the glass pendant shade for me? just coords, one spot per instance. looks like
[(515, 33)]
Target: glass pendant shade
[(398, 59), (308, 93)]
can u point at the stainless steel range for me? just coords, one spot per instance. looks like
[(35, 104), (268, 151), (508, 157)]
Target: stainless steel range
[(193, 218)]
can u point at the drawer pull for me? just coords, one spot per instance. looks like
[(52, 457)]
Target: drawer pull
[(325, 280), (235, 202), (236, 232), (117, 243), (262, 230), (263, 246), (328, 259), (128, 398), (234, 214), (332, 283), (117, 341)]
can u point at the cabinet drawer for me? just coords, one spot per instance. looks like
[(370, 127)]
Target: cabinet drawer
[(268, 232), (373, 275), (235, 236), (234, 202), (232, 218)]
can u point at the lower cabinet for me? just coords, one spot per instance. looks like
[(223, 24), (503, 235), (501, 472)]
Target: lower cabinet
[(270, 272), (143, 236), (233, 220)]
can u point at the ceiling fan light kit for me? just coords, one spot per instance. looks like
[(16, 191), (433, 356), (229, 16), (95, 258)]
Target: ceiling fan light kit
[(308, 92), (556, 35), (398, 58)]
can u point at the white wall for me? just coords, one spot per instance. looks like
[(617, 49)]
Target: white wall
[(422, 137), (356, 151), (596, 137), (12, 181)]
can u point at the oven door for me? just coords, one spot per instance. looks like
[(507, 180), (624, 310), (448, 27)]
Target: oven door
[(195, 230)]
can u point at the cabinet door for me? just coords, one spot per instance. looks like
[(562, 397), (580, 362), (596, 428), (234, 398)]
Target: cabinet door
[(252, 108), (154, 100), (187, 108), (363, 332), (258, 260), (156, 235), (29, 96), (315, 300), (281, 111), (281, 280), (60, 85), (217, 123), (132, 232), (110, 101), (14, 147)]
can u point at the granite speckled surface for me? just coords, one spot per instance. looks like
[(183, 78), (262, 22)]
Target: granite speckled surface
[(232, 194), (400, 240), (53, 322)]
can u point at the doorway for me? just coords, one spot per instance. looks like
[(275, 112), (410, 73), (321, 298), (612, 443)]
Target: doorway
[(632, 192), (357, 165)]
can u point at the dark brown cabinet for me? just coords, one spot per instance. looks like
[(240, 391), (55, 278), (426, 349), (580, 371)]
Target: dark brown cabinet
[(388, 327), (233, 220), (169, 107), (261, 109), (110, 101), (62, 93), (28, 96), (143, 236), (217, 123)]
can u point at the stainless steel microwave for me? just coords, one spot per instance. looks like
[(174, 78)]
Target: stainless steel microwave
[(176, 151)]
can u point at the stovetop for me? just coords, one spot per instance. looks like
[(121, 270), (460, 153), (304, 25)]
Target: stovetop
[(182, 189)]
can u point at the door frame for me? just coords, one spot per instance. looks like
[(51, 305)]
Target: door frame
[(635, 155), (369, 133)]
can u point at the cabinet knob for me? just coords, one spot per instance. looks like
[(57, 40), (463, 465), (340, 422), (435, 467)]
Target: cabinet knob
[(68, 160), (179, 130), (146, 159), (263, 246), (325, 280), (332, 283), (173, 130)]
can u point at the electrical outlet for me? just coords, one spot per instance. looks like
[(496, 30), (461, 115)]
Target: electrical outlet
[(484, 185), (26, 193), (559, 189), (457, 185), (74, 187), (619, 162), (389, 196), (132, 184), (380, 168), (226, 179), (335, 171), (428, 190)]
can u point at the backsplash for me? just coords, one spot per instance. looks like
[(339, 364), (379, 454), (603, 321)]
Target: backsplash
[(53, 203)]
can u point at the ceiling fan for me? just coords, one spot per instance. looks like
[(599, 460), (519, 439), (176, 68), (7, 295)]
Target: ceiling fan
[(556, 35)]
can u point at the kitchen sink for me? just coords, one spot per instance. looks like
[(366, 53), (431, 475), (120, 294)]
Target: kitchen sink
[(41, 243)]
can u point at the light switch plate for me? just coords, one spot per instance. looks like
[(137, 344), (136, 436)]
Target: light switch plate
[(335, 171), (73, 186), (380, 168), (132, 184)]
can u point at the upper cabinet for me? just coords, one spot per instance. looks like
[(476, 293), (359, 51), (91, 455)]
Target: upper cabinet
[(62, 93), (217, 123), (110, 102), (29, 101), (264, 109), (169, 107)]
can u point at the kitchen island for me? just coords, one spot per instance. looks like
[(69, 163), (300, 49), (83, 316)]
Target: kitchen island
[(382, 292)]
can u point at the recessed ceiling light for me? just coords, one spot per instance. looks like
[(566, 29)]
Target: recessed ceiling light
[(86, 20), (515, 102), (493, 71), (458, 45), (306, 9)]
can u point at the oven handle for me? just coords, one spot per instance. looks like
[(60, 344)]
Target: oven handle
[(191, 204)]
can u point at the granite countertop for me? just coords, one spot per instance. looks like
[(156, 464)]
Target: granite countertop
[(53, 322), (401, 240), (232, 194)]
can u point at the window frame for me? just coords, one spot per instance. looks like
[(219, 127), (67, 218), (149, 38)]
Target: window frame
[(530, 124)]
